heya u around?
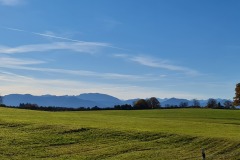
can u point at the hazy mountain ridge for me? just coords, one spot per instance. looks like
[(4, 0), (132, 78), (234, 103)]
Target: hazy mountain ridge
[(86, 100), (49, 100), (103, 99)]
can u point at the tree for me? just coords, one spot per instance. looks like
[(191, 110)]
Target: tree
[(95, 108), (219, 105), (141, 104), (153, 103), (183, 104), (1, 100), (123, 107), (29, 106), (196, 103), (212, 103), (236, 99), (228, 104)]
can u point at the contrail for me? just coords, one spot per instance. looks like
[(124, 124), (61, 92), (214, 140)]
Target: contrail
[(62, 38), (57, 37), (44, 35)]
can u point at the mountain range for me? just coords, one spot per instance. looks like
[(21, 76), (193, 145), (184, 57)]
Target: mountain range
[(86, 100)]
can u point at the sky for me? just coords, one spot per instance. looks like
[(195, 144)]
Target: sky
[(128, 49)]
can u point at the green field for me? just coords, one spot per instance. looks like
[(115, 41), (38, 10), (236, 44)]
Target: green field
[(139, 134)]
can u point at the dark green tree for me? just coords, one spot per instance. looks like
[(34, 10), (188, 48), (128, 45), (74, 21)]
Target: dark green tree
[(183, 104), (153, 103), (212, 103), (141, 104), (236, 99), (219, 105), (228, 104), (196, 103), (1, 100)]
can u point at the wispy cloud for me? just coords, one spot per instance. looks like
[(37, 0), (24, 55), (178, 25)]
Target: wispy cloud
[(16, 83), (121, 55), (7, 61), (91, 47), (157, 63), (84, 73), (11, 2), (63, 34), (110, 23), (49, 34), (24, 64), (85, 47)]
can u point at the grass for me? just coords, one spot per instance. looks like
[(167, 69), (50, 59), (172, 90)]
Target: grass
[(140, 134)]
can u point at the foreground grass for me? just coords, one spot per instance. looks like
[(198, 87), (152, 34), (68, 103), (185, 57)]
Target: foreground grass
[(145, 134)]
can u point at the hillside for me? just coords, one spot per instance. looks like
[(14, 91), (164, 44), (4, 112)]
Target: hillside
[(144, 134)]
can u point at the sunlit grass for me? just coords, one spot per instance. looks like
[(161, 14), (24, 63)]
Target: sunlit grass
[(141, 134)]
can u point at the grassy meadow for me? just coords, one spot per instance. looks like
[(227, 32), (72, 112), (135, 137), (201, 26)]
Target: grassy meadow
[(170, 134)]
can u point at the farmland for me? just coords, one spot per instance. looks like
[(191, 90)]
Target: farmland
[(136, 134)]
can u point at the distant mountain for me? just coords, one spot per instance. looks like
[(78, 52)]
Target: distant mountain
[(82, 100), (177, 101), (130, 101), (173, 102), (162, 100), (86, 100), (103, 100), (49, 100)]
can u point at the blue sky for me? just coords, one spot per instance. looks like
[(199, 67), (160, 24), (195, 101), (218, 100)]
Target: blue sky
[(129, 49)]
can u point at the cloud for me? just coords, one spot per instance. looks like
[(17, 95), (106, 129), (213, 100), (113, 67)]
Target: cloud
[(110, 23), (7, 61), (121, 55), (50, 34), (16, 83), (11, 2), (84, 47), (47, 34), (84, 73), (24, 64), (157, 63)]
